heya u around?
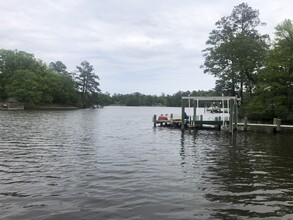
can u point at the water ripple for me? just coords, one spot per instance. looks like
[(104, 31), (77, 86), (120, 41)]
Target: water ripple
[(103, 164)]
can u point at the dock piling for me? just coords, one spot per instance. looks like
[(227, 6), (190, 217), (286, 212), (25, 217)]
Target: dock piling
[(182, 116), (230, 116), (171, 119), (236, 114), (278, 125), (194, 113), (245, 124)]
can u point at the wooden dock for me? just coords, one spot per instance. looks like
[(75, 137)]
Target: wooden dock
[(229, 103), (275, 127), (188, 123), (219, 124)]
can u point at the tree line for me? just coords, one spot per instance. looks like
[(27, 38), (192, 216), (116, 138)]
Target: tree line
[(31, 81), (138, 99), (246, 63), (250, 65)]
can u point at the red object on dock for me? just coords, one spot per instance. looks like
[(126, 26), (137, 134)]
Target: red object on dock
[(162, 118)]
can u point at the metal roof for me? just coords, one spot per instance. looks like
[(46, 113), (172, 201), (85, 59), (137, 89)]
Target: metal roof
[(210, 98)]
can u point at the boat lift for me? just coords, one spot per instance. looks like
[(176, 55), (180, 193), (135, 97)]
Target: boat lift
[(232, 106)]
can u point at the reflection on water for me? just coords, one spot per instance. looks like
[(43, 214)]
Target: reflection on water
[(111, 164), (252, 179)]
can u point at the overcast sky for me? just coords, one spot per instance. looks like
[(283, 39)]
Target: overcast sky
[(146, 46)]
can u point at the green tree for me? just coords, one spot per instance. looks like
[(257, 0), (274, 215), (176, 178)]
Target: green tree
[(25, 87), (274, 93), (59, 67), (29, 80), (105, 99), (64, 89), (87, 81), (236, 50), (12, 61), (284, 56)]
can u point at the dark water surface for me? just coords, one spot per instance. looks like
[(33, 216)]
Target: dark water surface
[(111, 164)]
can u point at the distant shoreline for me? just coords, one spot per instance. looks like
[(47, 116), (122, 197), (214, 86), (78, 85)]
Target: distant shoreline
[(53, 107)]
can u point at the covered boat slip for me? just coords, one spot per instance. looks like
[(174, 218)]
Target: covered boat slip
[(217, 111), (226, 108)]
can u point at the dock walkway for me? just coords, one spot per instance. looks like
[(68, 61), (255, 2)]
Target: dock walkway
[(218, 124)]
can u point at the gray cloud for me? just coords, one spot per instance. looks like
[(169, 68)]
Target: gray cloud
[(149, 46)]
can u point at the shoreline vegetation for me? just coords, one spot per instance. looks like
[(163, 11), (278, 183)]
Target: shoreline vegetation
[(54, 107), (27, 80), (246, 64)]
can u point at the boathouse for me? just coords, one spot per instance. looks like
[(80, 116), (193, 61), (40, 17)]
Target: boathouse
[(11, 104)]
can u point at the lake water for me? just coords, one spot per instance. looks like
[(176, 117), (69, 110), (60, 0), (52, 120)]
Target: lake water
[(112, 164)]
